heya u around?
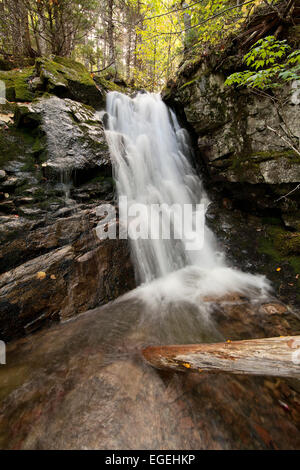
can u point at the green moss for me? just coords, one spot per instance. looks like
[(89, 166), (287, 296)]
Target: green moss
[(273, 155), (38, 146), (188, 83), (61, 70), (266, 246), (68, 79), (245, 166), (17, 84), (69, 66), (103, 179), (45, 202), (107, 84), (14, 144), (282, 246), (271, 221), (8, 108)]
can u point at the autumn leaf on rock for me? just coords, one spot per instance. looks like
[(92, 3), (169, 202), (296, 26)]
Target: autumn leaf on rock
[(41, 275)]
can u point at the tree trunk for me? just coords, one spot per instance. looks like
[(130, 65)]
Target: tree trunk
[(187, 26), (128, 55), (267, 356), (110, 32)]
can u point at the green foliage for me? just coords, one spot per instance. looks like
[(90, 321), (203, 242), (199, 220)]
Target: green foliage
[(143, 41), (272, 65)]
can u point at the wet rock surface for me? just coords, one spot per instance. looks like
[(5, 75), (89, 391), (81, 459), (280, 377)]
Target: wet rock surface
[(244, 146), (76, 272), (258, 244), (84, 385), (243, 137), (69, 140), (54, 171)]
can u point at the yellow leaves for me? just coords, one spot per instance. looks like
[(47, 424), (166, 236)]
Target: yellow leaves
[(187, 365), (246, 7), (41, 275)]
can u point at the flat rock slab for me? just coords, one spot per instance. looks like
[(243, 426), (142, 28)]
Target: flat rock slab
[(84, 385)]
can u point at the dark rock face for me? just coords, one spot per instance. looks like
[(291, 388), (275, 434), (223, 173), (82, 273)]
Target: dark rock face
[(76, 273), (232, 129), (69, 137), (258, 244), (247, 164), (55, 170)]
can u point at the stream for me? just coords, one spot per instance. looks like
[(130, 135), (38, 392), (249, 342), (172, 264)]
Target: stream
[(83, 384)]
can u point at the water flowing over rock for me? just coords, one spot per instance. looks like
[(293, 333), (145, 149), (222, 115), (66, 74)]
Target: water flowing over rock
[(152, 160), (252, 174), (83, 384), (55, 171)]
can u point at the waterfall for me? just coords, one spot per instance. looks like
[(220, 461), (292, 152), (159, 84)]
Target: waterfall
[(152, 161)]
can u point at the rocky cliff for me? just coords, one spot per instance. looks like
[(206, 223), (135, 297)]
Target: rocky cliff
[(54, 171), (242, 142)]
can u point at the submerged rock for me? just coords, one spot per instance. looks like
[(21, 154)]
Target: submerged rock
[(73, 386)]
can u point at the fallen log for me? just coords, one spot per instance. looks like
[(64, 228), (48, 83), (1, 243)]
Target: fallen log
[(267, 356)]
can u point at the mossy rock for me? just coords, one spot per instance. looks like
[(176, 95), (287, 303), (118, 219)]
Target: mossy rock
[(25, 117), (282, 246), (8, 108), (247, 168), (17, 84), (15, 145), (69, 79), (108, 85), (287, 243)]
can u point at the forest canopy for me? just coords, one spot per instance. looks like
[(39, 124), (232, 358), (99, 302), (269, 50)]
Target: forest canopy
[(141, 41)]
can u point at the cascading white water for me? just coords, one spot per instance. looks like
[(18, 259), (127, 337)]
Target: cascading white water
[(151, 157)]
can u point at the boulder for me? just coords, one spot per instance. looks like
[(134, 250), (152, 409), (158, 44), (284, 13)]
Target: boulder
[(60, 76), (242, 137), (82, 145), (69, 79), (76, 272), (55, 170)]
